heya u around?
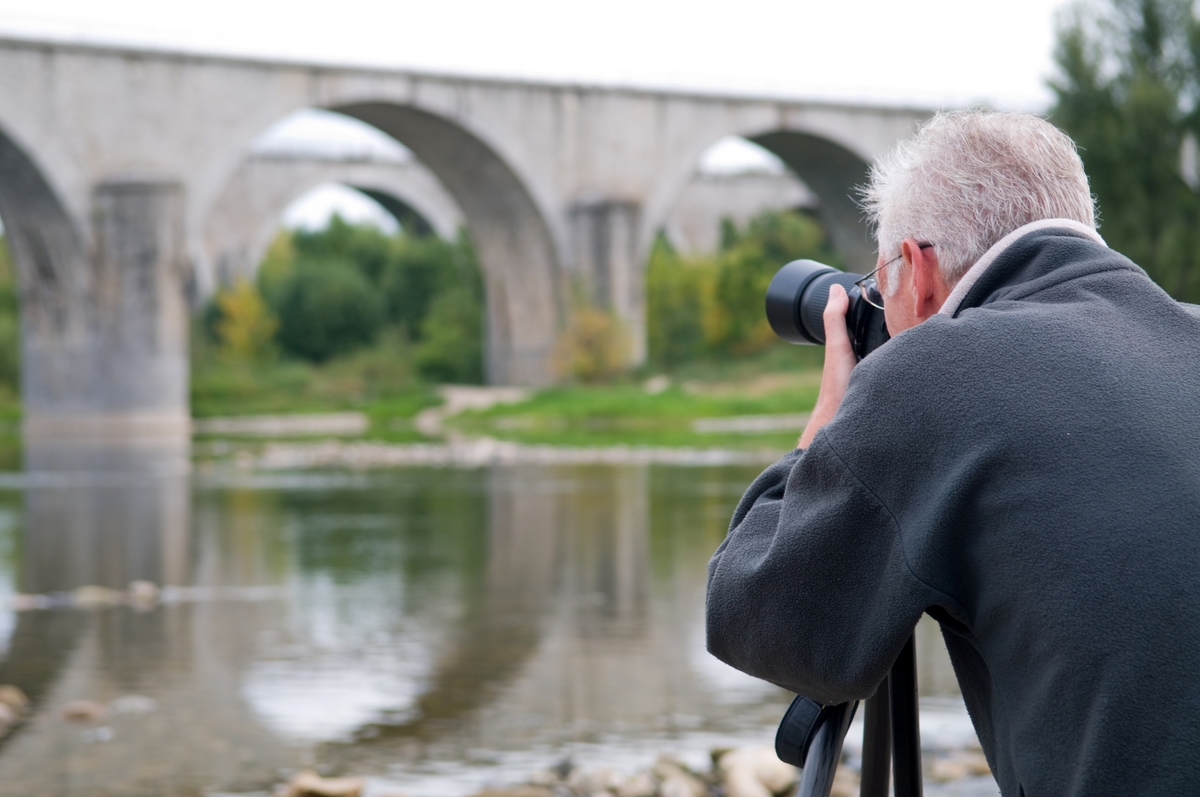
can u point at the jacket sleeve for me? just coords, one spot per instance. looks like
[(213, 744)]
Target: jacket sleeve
[(810, 589)]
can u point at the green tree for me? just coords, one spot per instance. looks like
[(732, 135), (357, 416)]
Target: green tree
[(364, 245), (713, 305), (417, 272), (1127, 93), (734, 320), (327, 308), (451, 340), (676, 288)]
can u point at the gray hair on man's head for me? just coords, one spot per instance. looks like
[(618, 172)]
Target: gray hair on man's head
[(967, 179)]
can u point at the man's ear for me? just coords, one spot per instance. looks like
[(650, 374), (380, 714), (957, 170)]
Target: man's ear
[(929, 290)]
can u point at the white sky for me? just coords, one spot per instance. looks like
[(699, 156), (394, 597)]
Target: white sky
[(939, 53), (930, 51)]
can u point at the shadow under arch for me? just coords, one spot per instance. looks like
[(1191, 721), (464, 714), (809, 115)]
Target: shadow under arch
[(53, 284), (834, 173), (523, 285), (246, 216), (408, 217)]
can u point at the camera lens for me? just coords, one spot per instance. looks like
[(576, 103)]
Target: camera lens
[(796, 299)]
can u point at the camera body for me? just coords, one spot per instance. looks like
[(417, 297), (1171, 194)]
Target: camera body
[(796, 305)]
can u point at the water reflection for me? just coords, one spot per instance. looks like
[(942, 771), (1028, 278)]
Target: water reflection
[(396, 623)]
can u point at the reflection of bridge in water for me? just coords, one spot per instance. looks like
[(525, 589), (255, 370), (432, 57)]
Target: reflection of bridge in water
[(431, 614), (112, 163), (417, 616)]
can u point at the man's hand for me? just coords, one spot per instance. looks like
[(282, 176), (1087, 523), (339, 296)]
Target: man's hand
[(839, 362)]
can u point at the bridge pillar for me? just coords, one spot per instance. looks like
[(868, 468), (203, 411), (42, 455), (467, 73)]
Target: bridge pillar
[(111, 362), (609, 271)]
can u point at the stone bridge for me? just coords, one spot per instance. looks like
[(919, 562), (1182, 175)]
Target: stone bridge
[(113, 162), (250, 210)]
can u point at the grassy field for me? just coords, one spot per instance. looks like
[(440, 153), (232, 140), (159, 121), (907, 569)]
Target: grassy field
[(632, 415), (643, 409)]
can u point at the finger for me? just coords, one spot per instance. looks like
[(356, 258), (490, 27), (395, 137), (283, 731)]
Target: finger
[(834, 316)]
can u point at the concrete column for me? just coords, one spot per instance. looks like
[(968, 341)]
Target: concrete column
[(119, 369), (610, 274)]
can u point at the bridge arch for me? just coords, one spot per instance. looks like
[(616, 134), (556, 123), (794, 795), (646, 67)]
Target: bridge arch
[(830, 168), (513, 238), (248, 213)]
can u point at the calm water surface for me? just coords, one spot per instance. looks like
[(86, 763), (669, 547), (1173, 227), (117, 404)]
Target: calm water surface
[(434, 629)]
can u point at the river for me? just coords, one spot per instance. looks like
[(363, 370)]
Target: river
[(433, 629)]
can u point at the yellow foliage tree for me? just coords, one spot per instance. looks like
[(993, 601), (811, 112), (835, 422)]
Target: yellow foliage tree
[(593, 348), (246, 328)]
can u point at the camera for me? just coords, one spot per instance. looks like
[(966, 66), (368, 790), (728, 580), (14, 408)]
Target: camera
[(796, 303)]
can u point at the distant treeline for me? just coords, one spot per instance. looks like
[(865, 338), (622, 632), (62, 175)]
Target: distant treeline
[(321, 295), (324, 295), (712, 306)]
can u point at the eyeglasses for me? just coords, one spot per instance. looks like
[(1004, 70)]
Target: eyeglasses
[(868, 286)]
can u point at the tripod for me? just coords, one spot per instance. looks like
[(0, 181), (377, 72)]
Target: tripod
[(891, 734)]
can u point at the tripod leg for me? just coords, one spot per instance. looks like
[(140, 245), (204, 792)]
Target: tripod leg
[(877, 743), (825, 751), (906, 723)]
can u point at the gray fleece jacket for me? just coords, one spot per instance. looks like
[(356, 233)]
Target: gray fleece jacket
[(1025, 469)]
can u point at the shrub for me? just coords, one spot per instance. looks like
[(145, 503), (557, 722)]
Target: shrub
[(593, 348), (675, 290), (700, 306), (419, 269), (244, 326), (327, 308), (734, 320), (451, 340)]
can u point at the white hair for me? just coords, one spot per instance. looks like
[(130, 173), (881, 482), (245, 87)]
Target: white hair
[(967, 179)]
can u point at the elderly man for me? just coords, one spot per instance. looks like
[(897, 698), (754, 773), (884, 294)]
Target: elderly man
[(1021, 461)]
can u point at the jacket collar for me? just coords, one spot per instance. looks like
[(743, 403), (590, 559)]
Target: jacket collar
[(964, 295)]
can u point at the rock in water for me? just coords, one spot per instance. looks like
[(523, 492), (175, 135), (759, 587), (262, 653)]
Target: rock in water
[(677, 781), (518, 791), (640, 785), (14, 698), (742, 769), (310, 784), (143, 594), (83, 711), (134, 704)]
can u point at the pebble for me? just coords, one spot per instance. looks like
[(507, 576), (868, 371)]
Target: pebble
[(143, 594), (93, 597), (755, 772), (743, 772), (640, 785), (14, 698), (134, 704), (518, 791), (675, 780), (310, 784), (8, 717), (83, 711)]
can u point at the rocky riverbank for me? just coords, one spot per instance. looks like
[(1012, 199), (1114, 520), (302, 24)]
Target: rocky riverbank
[(744, 772), (362, 455)]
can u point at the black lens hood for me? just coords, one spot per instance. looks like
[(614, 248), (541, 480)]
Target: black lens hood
[(784, 296)]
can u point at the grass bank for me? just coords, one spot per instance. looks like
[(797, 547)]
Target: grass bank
[(643, 409), (678, 414)]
